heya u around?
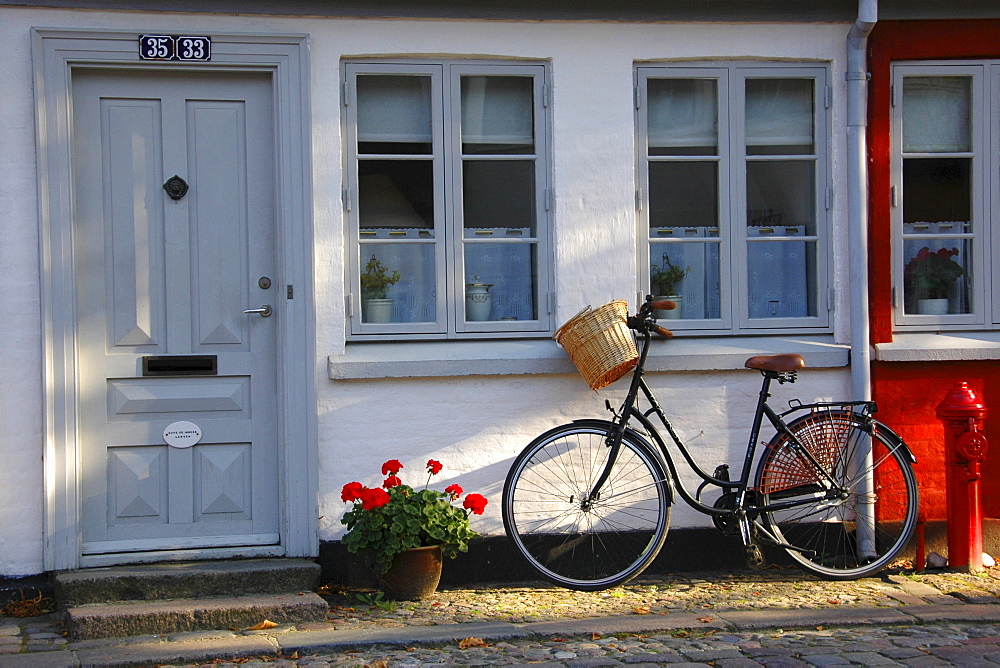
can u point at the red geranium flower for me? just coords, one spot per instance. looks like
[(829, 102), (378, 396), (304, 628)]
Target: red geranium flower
[(351, 491), (385, 521), (476, 503), (391, 467), (374, 498)]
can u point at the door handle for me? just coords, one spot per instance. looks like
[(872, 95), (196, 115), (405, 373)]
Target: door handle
[(264, 311)]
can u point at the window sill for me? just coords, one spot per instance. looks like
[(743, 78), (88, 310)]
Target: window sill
[(431, 359), (939, 347)]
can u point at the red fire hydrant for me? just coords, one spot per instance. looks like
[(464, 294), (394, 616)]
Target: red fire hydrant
[(965, 449)]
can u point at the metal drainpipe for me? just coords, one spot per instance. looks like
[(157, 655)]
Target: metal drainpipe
[(857, 195), (857, 207)]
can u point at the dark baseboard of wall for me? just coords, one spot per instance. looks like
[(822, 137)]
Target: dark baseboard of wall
[(494, 559)]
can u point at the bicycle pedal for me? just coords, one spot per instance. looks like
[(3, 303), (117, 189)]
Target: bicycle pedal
[(755, 556)]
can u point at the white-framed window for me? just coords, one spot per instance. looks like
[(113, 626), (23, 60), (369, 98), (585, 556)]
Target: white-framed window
[(945, 190), (447, 184), (734, 195)]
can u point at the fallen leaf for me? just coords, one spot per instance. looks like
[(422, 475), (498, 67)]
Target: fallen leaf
[(706, 620), (595, 636), (466, 643), (294, 655), (266, 624), (819, 628), (641, 610), (378, 663)]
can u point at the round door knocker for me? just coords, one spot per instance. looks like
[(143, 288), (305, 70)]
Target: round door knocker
[(176, 187)]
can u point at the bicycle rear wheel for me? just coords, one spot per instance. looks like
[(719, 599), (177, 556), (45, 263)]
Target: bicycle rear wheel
[(856, 515), (579, 544)]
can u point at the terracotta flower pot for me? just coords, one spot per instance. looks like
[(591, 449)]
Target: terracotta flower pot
[(414, 574)]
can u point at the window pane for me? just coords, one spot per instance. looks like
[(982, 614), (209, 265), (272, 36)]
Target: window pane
[(781, 198), (683, 117), (402, 273), (687, 273), (498, 198), (779, 117), (780, 272), (396, 198), (937, 190), (937, 114), (394, 114), (936, 277), (501, 281), (497, 115), (683, 199), (781, 279)]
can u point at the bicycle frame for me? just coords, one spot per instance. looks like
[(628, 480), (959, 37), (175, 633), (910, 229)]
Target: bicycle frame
[(744, 508)]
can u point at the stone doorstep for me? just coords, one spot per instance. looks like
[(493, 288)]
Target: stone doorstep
[(163, 617), (173, 580)]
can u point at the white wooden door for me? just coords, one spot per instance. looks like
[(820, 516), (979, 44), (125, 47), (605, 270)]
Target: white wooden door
[(161, 284)]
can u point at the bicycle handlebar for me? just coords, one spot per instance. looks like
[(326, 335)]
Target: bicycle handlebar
[(664, 332), (660, 305), (644, 320)]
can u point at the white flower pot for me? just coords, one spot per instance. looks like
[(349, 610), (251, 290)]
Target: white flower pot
[(932, 306), (376, 310)]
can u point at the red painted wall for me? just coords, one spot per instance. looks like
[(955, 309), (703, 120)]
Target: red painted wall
[(893, 41), (909, 392)]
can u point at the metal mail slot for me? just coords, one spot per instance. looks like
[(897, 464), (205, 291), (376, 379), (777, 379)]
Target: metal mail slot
[(180, 365)]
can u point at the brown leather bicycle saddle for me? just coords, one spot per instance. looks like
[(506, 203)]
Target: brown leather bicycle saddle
[(782, 363)]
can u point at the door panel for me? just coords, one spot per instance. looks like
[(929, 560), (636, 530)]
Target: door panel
[(159, 276), (218, 224), (130, 133)]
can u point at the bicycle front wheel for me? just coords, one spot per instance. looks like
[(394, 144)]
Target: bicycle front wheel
[(849, 507), (577, 542)]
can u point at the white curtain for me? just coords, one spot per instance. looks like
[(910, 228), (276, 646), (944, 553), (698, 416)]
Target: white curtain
[(394, 108), (936, 114), (779, 112), (683, 113), (497, 110)]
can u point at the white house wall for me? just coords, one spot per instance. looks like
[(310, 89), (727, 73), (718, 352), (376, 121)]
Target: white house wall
[(474, 425)]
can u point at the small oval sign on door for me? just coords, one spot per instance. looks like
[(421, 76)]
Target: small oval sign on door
[(182, 434)]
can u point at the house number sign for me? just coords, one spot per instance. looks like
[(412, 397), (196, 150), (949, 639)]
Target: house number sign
[(172, 47), (182, 434)]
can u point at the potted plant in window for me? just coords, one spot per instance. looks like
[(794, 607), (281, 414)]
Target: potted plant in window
[(404, 534), (663, 281), (375, 283), (928, 278)]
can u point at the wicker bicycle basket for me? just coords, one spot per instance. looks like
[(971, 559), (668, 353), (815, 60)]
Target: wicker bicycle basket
[(599, 343)]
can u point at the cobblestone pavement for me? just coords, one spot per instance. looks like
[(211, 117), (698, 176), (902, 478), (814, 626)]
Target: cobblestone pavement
[(937, 645), (770, 618)]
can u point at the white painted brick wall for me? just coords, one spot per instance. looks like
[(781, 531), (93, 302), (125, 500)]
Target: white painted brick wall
[(475, 426)]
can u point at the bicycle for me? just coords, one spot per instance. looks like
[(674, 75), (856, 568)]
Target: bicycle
[(588, 503)]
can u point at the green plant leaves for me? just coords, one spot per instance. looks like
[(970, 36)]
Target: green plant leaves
[(410, 519)]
